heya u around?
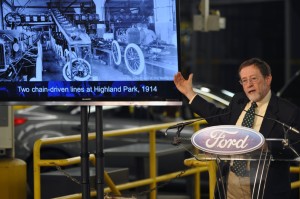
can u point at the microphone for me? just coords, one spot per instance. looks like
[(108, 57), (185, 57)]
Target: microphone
[(183, 124), (285, 142), (279, 122), (180, 126)]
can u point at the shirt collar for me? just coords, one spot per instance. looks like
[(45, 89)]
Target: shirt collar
[(265, 100)]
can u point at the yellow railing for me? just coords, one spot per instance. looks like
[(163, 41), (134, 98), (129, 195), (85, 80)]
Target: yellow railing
[(151, 181), (295, 184)]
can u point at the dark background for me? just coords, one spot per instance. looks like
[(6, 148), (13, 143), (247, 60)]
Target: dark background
[(268, 29)]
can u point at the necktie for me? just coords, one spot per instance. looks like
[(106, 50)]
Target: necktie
[(239, 166)]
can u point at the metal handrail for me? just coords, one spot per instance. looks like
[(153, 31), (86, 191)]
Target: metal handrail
[(151, 181)]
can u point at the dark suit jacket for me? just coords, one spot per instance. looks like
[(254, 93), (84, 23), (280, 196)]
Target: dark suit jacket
[(278, 179)]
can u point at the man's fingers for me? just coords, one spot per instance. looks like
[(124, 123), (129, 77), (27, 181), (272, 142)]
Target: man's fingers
[(177, 77)]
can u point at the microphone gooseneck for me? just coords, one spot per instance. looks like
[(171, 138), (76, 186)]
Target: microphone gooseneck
[(279, 122), (180, 126), (285, 141)]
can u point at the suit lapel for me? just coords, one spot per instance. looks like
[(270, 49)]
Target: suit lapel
[(238, 108), (268, 124), (271, 112)]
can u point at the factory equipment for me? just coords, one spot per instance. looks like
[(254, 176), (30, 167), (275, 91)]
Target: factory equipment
[(75, 40), (18, 53), (208, 21)]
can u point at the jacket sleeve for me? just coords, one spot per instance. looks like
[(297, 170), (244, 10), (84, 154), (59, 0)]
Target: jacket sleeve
[(215, 115)]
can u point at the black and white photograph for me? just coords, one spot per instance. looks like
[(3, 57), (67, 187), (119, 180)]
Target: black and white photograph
[(103, 40)]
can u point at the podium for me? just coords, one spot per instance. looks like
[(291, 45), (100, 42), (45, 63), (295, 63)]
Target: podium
[(221, 145)]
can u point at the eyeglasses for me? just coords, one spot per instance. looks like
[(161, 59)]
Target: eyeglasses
[(246, 81)]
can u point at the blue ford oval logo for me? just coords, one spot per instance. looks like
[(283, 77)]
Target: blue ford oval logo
[(227, 140)]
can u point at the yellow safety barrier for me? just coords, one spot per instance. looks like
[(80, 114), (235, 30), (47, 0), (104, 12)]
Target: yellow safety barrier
[(211, 165), (295, 184), (13, 178), (196, 166), (151, 181)]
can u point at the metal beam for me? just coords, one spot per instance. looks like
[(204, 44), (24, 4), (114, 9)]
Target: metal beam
[(70, 5), (287, 40)]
